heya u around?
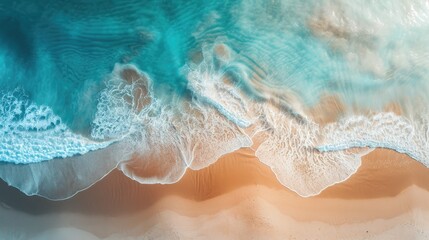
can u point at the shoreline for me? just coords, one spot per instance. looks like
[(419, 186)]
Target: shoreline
[(389, 190)]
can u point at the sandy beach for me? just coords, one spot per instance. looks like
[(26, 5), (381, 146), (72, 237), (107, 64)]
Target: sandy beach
[(302, 120), (236, 198)]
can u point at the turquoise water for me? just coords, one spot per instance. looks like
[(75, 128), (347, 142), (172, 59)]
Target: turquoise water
[(212, 70)]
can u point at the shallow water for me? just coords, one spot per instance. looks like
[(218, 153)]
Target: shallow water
[(177, 84)]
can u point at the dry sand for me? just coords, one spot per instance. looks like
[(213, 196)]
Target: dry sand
[(236, 198)]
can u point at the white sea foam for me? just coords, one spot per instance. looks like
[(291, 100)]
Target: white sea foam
[(160, 140), (167, 138), (211, 84), (305, 156), (194, 138), (116, 110), (63, 178), (31, 133), (346, 27), (289, 145), (382, 130), (289, 151)]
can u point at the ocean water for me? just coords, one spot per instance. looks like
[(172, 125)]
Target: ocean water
[(156, 87)]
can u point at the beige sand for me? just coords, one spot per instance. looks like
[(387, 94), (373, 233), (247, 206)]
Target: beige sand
[(239, 198)]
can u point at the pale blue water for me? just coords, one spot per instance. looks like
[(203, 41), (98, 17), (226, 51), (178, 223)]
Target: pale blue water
[(62, 95)]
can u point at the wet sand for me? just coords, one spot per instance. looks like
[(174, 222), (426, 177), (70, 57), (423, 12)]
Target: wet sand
[(238, 198)]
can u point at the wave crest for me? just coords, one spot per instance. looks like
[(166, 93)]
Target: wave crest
[(32, 133)]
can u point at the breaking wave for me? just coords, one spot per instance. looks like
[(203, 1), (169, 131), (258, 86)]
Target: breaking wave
[(172, 100), (32, 133)]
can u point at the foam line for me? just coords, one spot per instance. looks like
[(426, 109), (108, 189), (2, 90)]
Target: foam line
[(32, 133), (382, 130)]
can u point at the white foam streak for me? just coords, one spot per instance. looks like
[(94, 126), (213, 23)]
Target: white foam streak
[(166, 138), (32, 133), (174, 141), (213, 86), (158, 141), (383, 130), (289, 151)]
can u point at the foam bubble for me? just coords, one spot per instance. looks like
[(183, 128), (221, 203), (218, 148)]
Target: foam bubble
[(289, 151), (384, 130), (155, 142), (212, 84), (173, 141), (291, 137), (34, 134), (120, 103), (166, 138), (31, 133)]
